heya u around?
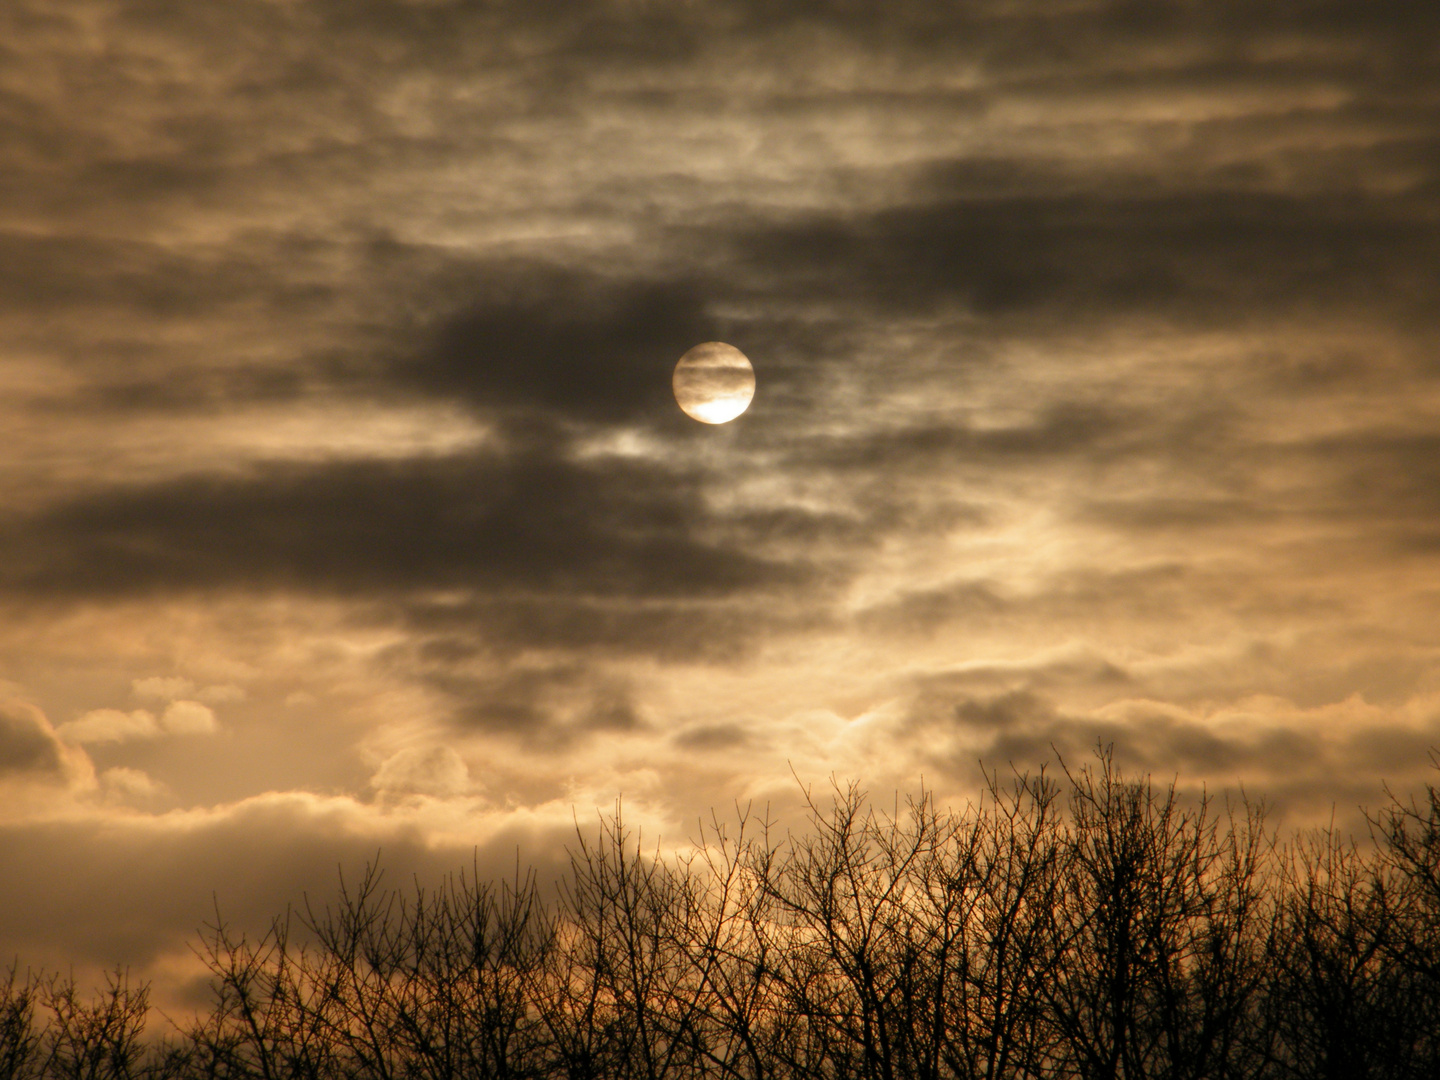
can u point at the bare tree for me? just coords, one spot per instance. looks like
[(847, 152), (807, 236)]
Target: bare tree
[(1342, 1005), (874, 931), (269, 1015), (19, 1038), (1160, 920), (431, 984), (94, 1039), (621, 995), (1014, 864), (1408, 833), (733, 945)]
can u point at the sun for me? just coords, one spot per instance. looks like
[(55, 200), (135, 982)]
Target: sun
[(714, 382)]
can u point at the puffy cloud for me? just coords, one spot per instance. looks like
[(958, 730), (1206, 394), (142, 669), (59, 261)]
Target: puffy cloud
[(110, 725), (129, 785), (188, 718), (115, 725), (174, 687)]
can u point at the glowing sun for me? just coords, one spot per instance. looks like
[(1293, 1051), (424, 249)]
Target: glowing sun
[(714, 382)]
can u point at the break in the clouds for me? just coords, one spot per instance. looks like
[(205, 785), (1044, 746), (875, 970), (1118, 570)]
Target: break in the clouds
[(345, 500)]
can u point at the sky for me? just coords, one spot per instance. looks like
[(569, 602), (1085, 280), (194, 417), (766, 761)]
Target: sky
[(345, 507)]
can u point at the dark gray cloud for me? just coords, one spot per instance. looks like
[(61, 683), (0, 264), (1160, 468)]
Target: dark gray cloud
[(564, 344), (712, 737), (28, 746), (685, 629), (543, 703), (1210, 256), (1301, 770), (502, 523), (98, 894), (1026, 730)]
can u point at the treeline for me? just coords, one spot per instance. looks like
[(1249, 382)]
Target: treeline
[(1096, 927)]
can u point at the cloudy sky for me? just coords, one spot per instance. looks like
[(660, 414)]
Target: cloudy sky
[(345, 506)]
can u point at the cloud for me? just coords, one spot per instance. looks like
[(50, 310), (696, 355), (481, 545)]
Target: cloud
[(710, 737), (115, 725), (545, 704), (1209, 256), (221, 694), (433, 770), (124, 784), (1271, 746), (707, 630), (528, 522), (28, 744), (188, 718), (163, 688), (157, 878), (565, 344), (110, 725)]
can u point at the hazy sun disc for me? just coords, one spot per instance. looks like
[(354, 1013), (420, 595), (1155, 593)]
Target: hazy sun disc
[(714, 382)]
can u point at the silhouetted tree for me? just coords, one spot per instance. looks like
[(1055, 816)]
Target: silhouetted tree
[(621, 996), (1161, 928), (1409, 840), (998, 1027), (98, 1039), (1341, 1008), (19, 1039)]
